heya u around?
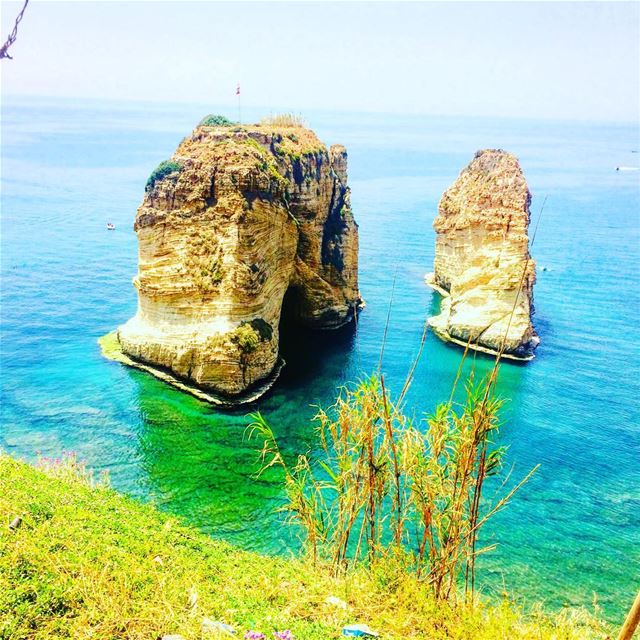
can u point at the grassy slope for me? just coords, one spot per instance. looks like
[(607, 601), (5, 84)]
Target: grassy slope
[(90, 563)]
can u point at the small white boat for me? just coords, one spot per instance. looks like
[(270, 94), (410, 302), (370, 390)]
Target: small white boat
[(111, 226), (626, 168)]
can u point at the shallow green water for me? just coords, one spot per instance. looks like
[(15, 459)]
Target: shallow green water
[(69, 168)]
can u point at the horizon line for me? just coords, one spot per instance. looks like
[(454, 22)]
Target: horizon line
[(282, 109)]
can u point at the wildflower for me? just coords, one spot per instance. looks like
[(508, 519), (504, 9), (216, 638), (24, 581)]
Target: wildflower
[(254, 635), (284, 635)]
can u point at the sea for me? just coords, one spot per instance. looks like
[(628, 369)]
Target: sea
[(569, 537)]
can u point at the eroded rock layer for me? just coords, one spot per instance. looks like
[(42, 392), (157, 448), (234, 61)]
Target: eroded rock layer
[(482, 264), (239, 215)]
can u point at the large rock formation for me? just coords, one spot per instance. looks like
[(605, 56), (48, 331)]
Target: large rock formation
[(239, 216), (482, 265)]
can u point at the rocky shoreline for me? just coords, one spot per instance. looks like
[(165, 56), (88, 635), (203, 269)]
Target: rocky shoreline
[(111, 349), (444, 335)]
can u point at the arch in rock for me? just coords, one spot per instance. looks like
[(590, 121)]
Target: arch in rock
[(236, 219)]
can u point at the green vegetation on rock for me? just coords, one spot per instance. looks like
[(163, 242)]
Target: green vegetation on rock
[(213, 120), (164, 169), (246, 337), (262, 327), (267, 162)]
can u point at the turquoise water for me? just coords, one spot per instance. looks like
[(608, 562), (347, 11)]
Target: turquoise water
[(68, 168)]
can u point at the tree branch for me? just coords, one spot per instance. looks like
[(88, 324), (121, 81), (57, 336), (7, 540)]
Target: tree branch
[(4, 52)]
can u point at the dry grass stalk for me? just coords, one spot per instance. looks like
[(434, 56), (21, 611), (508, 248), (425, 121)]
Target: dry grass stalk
[(380, 479), (284, 120)]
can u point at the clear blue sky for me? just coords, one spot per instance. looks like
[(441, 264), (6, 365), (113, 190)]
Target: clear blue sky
[(553, 60)]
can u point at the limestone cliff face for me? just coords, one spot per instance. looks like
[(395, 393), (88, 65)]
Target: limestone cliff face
[(238, 216), (482, 262)]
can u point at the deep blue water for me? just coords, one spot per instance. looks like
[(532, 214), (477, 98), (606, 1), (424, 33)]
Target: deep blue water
[(69, 167)]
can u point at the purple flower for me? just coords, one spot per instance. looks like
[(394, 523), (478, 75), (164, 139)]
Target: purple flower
[(254, 635), (284, 635)]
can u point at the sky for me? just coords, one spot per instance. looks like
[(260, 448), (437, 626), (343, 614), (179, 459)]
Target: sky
[(575, 61)]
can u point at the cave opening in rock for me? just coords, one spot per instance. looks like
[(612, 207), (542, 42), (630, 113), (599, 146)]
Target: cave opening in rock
[(308, 352), (295, 339)]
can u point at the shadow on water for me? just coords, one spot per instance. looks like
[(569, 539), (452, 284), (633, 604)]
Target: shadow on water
[(310, 353)]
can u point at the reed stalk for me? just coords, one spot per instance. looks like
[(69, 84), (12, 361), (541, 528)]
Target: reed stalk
[(386, 488)]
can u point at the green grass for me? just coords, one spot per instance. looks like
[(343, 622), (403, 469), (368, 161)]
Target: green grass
[(88, 562)]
